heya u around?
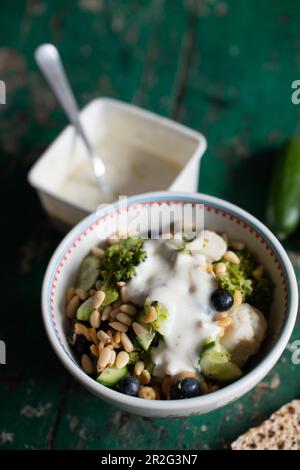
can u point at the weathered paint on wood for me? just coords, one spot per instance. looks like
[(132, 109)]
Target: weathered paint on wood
[(221, 68)]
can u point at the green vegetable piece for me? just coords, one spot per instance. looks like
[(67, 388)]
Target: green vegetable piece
[(134, 356), (145, 340), (147, 358), (215, 363), (120, 260), (257, 292), (88, 272), (161, 323), (85, 310), (283, 208), (111, 376), (111, 295)]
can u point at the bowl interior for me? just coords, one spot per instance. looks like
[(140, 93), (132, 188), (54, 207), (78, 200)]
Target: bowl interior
[(99, 226)]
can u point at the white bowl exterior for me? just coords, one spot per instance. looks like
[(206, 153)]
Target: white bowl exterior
[(145, 128), (219, 216)]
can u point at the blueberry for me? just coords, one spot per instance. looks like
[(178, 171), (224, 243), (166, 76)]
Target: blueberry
[(221, 300), (81, 345), (185, 388), (130, 386)]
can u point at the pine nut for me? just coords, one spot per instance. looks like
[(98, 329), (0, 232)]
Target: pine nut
[(139, 366), (226, 321), (139, 329), (237, 299), (117, 337), (112, 359), (70, 294), (82, 330), (116, 325), (121, 284), (72, 306), (98, 298), (258, 272), (104, 357), (127, 344), (95, 319), (123, 318), (208, 267), (145, 377), (87, 364), (231, 257), (110, 333), (82, 294), (237, 245), (220, 268), (102, 336), (106, 312), (122, 359), (129, 309), (124, 294), (94, 350), (97, 251), (150, 315), (98, 284), (93, 335), (114, 312), (148, 393), (101, 346)]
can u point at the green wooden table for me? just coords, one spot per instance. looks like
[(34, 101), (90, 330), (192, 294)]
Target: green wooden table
[(221, 67)]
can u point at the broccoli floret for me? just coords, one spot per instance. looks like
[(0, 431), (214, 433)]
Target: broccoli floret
[(239, 276), (258, 292), (120, 260), (134, 356)]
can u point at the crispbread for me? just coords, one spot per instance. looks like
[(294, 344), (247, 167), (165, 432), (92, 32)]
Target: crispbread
[(280, 432)]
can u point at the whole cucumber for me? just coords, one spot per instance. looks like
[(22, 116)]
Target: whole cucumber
[(283, 209)]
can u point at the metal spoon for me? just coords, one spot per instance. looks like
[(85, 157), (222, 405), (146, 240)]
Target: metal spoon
[(49, 61)]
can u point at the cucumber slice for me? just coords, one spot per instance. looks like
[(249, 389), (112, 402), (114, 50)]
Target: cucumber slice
[(111, 376), (88, 272), (111, 295), (161, 324), (215, 363), (85, 310), (145, 340)]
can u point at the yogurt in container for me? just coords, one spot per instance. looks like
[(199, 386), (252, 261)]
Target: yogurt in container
[(142, 151)]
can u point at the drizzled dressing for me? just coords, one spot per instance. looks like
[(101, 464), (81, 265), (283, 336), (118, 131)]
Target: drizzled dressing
[(181, 284)]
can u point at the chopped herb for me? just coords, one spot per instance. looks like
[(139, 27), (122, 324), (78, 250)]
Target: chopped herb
[(258, 292), (120, 260)]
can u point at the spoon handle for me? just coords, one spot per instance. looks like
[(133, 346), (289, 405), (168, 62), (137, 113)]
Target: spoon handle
[(49, 61)]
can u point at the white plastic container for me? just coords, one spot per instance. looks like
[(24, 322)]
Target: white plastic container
[(107, 119)]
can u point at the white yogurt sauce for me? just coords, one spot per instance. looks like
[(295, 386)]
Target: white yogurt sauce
[(130, 170), (178, 281)]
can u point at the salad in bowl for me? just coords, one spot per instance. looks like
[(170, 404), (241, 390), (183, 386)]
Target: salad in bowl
[(168, 318)]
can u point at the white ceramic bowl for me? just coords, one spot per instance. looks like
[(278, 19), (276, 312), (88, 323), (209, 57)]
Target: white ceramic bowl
[(220, 216)]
